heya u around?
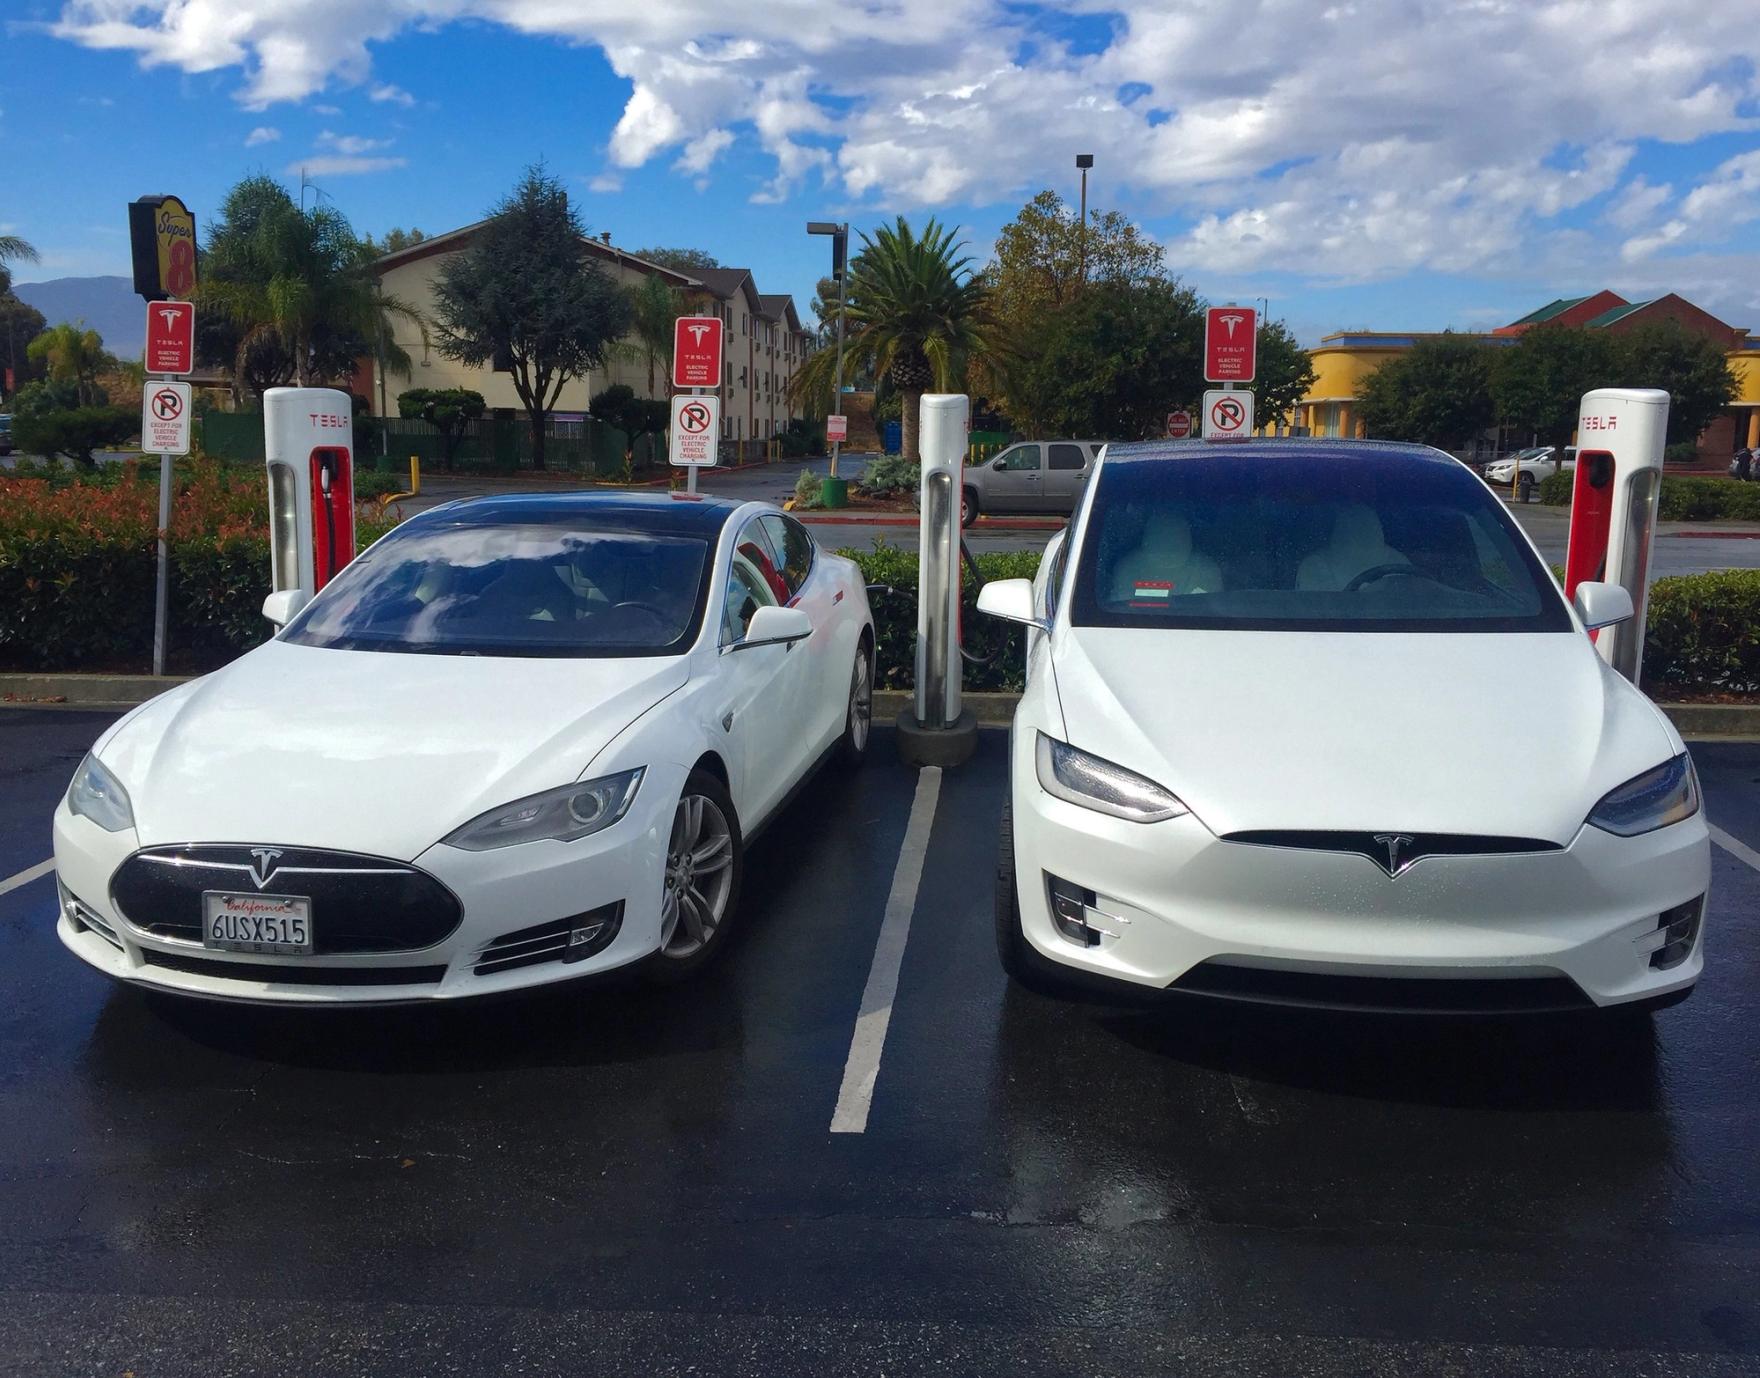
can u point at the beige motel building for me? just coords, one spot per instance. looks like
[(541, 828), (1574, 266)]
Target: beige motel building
[(764, 342)]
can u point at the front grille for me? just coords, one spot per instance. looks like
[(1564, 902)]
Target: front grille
[(359, 903), (561, 940), (1392, 851), (1384, 994), (291, 974)]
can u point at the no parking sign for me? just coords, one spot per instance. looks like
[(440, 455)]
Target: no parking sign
[(696, 425), (1228, 415)]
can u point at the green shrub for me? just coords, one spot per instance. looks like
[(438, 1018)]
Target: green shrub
[(1684, 497), (1002, 645), (1681, 452), (1555, 489), (890, 475), (370, 484), (75, 432), (1704, 632), (806, 490)]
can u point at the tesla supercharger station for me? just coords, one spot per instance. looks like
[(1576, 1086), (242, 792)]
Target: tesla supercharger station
[(1620, 437), (309, 449), (937, 730)]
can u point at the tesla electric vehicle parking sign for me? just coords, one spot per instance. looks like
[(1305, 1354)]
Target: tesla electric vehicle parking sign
[(1231, 337), (696, 352), (696, 422), (171, 337)]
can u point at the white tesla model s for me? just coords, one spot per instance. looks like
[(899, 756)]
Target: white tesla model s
[(1265, 750), (517, 740)]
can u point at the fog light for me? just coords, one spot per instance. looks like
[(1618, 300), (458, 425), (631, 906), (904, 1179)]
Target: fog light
[(1069, 911), (592, 932), (1680, 930)]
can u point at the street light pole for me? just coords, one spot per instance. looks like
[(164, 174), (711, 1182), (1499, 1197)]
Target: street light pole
[(840, 270), (1084, 161)]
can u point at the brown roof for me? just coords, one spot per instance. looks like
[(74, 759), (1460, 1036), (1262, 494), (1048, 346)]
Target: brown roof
[(454, 240)]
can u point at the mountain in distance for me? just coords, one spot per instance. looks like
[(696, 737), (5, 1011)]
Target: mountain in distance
[(106, 304)]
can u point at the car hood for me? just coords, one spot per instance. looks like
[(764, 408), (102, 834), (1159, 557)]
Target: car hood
[(366, 751), (1362, 731)]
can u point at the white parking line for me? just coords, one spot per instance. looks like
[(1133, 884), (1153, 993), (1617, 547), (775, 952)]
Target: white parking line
[(1740, 850), (863, 1066), (26, 876)]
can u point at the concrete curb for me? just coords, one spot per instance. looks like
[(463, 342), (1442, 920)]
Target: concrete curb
[(114, 692)]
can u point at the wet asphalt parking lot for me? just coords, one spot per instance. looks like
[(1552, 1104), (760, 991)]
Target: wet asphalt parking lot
[(635, 1181)]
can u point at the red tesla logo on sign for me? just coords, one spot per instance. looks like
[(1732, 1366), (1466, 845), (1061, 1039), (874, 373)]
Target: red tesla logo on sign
[(1231, 339), (696, 352), (171, 337)]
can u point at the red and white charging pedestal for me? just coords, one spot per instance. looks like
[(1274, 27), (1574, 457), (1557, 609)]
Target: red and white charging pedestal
[(308, 436), (1621, 433)]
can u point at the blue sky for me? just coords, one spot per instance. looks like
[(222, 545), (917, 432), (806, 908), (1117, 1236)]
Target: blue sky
[(1375, 163)]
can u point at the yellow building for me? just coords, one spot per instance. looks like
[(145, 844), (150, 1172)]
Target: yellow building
[(763, 337)]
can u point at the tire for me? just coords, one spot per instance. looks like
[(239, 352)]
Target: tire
[(1025, 967), (858, 716), (686, 948), (968, 506)]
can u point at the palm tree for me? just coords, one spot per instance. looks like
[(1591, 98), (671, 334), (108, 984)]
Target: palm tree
[(916, 313), (297, 286), (71, 353), (657, 305)]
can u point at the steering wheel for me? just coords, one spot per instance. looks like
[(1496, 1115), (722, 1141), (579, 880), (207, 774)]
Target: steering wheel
[(1375, 572), (660, 619)]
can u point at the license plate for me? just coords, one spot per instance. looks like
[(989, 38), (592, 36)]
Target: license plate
[(256, 923)]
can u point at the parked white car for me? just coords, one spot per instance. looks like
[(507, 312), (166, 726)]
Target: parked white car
[(1264, 754), (1533, 464), (518, 740)]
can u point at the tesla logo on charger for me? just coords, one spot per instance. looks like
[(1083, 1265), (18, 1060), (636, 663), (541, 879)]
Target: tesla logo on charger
[(324, 421), (1600, 423)]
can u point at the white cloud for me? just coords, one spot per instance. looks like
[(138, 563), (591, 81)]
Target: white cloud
[(262, 134), (326, 165), (351, 144), (605, 184), (1362, 139), (395, 95)]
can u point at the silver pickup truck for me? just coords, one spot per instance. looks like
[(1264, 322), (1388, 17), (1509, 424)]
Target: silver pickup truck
[(1029, 476)]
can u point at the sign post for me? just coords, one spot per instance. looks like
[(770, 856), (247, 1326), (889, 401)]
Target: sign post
[(165, 409), (696, 425)]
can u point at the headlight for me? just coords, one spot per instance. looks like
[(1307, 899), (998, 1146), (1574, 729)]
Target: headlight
[(99, 796), (1650, 801), (560, 814), (1078, 778)]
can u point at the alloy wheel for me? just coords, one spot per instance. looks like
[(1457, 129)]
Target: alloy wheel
[(861, 701), (699, 877)]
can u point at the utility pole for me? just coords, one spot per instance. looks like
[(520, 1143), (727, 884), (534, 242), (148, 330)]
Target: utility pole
[(840, 270), (1084, 161)]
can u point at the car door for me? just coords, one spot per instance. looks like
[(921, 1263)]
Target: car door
[(1012, 481), (811, 589), (1066, 464), (764, 688)]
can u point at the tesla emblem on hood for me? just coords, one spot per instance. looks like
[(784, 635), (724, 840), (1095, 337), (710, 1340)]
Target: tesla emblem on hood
[(263, 861), (1394, 842)]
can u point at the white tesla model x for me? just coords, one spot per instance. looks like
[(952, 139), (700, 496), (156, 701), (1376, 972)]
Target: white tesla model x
[(518, 740), (1266, 749)]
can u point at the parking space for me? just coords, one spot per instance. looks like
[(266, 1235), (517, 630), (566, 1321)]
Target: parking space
[(626, 1179)]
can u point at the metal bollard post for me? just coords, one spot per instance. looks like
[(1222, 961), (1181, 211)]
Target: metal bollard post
[(938, 730)]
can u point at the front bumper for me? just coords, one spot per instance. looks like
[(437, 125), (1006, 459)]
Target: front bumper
[(503, 893), (1173, 897)]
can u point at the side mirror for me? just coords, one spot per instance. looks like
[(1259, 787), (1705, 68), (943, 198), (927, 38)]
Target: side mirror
[(999, 465), (773, 626), (1602, 605), (1011, 600), (282, 606)]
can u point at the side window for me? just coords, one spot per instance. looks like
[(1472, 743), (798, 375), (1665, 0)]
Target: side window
[(795, 546), (1067, 456), (762, 555), (1054, 581), (748, 585), (1021, 457)]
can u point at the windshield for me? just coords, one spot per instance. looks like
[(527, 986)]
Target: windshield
[(528, 589), (1306, 542)]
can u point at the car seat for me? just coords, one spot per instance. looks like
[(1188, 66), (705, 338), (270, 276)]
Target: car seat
[(1163, 555), (1357, 544)]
